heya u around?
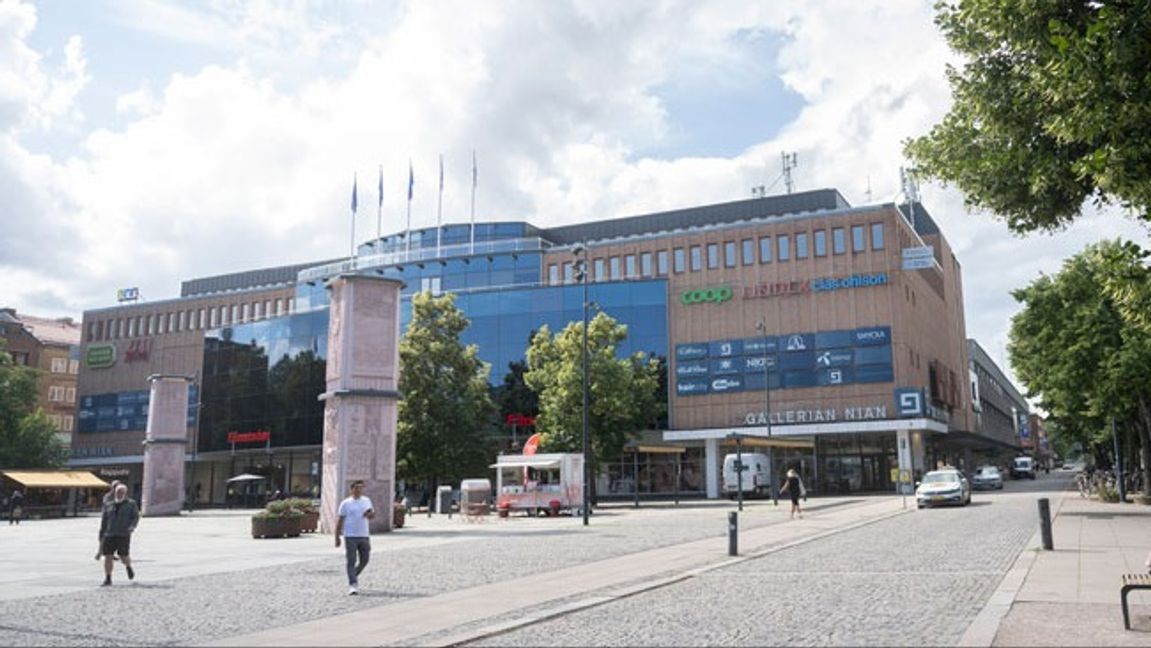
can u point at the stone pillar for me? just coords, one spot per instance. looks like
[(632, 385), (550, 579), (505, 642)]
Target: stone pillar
[(360, 400), (164, 443), (711, 467)]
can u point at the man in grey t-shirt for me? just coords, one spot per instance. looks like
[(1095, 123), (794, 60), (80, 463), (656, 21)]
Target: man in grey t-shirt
[(354, 513)]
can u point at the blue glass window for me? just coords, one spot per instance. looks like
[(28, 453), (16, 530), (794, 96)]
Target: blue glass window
[(858, 244), (748, 251), (712, 256), (801, 245), (838, 241), (877, 236), (765, 249), (661, 263), (820, 243), (696, 258), (784, 247), (680, 264)]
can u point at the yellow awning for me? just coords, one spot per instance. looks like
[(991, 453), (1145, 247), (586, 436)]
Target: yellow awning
[(56, 479), (656, 449), (762, 442)]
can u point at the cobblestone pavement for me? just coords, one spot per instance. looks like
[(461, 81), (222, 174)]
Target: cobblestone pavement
[(457, 555), (911, 580)]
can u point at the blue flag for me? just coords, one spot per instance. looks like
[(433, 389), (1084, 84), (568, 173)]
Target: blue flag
[(411, 180), (353, 193)]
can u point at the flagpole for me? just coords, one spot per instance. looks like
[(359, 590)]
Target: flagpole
[(408, 232), (352, 242), (473, 228), (440, 206), (380, 211)]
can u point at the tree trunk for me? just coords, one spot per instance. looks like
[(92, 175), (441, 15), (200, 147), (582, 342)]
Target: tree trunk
[(1144, 427)]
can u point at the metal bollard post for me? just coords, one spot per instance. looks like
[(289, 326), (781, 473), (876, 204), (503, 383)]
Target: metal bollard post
[(1045, 523), (733, 533)]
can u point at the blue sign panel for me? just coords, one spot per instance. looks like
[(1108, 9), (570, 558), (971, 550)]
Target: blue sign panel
[(876, 335), (754, 381), (873, 355), (726, 348), (725, 366), (123, 411), (909, 402), (690, 351), (693, 368), (834, 376), (797, 342), (796, 379), (804, 361), (833, 358), (690, 387), (727, 384), (874, 373), (834, 339), (753, 364), (755, 346)]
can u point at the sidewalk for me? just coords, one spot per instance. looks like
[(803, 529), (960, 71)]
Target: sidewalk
[(1070, 596), (476, 612)]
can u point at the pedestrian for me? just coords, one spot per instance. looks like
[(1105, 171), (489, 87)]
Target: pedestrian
[(354, 513), (108, 497), (15, 507), (116, 526), (793, 486)]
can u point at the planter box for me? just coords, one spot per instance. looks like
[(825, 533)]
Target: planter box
[(398, 513), (275, 527), (310, 522)]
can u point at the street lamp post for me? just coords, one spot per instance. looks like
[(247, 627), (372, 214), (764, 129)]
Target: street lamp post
[(761, 326), (580, 252)]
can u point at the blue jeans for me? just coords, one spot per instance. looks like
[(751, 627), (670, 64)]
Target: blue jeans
[(353, 547)]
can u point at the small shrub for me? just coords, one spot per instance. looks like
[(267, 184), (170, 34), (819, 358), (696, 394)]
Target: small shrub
[(1108, 494)]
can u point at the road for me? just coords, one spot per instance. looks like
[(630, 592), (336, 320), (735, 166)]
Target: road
[(912, 580)]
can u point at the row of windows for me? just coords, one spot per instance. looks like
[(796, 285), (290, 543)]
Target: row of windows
[(61, 394), (63, 423), (186, 320), (780, 248), (64, 365)]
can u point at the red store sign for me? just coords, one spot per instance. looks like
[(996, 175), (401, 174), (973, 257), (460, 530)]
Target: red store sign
[(259, 436)]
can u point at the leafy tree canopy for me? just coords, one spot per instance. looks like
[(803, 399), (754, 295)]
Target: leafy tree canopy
[(1051, 108), (446, 408), (622, 391), (27, 438)]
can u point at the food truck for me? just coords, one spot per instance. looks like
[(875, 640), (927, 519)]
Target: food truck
[(531, 482)]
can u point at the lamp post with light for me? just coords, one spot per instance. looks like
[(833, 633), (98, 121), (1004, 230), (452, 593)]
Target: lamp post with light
[(581, 275), (761, 326)]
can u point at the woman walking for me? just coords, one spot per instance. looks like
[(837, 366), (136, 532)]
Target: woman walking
[(793, 486)]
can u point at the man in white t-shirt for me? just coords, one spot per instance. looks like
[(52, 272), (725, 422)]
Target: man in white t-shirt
[(354, 512)]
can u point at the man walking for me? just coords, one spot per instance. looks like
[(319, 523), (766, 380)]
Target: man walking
[(108, 497), (15, 507), (354, 513), (116, 526)]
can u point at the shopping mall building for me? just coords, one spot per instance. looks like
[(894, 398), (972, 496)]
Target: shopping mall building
[(833, 335)]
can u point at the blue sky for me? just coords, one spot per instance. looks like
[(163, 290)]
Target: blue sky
[(153, 141)]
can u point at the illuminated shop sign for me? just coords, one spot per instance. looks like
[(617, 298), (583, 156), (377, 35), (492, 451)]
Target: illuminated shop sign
[(100, 356), (705, 295), (820, 415), (775, 289), (822, 284), (138, 350), (854, 281), (259, 436)]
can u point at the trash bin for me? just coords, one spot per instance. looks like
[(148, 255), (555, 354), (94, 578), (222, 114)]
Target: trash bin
[(444, 499)]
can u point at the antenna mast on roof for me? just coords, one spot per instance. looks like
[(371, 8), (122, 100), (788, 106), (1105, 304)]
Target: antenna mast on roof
[(789, 163), (910, 188)]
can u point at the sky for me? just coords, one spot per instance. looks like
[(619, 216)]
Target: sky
[(147, 142)]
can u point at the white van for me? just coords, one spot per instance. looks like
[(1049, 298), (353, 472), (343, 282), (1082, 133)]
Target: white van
[(1023, 467), (756, 475)]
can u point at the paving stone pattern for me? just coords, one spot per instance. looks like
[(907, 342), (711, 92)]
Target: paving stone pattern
[(912, 580)]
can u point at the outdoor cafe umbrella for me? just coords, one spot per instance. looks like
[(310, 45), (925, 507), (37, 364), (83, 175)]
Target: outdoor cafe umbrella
[(246, 477)]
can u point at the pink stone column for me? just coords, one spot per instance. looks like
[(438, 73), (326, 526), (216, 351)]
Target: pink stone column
[(164, 443), (360, 401)]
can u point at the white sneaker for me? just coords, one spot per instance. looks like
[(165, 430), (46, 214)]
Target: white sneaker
[(352, 591)]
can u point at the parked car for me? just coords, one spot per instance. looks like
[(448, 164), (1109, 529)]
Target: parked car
[(987, 477), (756, 475), (1023, 467), (947, 486)]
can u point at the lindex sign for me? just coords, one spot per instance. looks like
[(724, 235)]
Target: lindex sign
[(716, 295), (100, 356)]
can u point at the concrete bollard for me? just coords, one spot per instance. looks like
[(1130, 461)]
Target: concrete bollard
[(733, 533), (1045, 523)]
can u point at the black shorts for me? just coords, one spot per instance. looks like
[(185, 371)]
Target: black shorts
[(115, 544)]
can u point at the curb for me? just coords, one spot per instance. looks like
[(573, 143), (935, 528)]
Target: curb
[(631, 590)]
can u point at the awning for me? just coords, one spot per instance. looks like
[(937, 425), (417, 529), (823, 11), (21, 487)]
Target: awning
[(246, 477), (529, 462), (760, 442), (55, 478), (656, 449)]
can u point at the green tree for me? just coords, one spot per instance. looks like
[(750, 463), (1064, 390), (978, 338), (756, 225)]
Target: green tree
[(1051, 108), (515, 397), (1071, 346), (622, 391), (447, 406), (27, 438)]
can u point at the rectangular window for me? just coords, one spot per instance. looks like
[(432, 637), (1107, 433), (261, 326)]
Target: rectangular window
[(244, 312), (553, 274), (73, 367), (645, 264), (69, 423), (182, 323), (729, 259), (258, 307), (748, 252), (820, 243), (131, 327), (877, 236), (54, 419), (70, 395), (225, 317), (569, 273), (680, 260), (59, 365), (171, 322), (801, 245), (151, 326), (765, 249), (614, 268), (696, 258), (289, 303), (203, 320), (214, 320), (629, 265), (784, 247), (838, 241), (235, 313), (600, 270), (858, 244), (661, 263), (712, 256), (55, 394), (279, 307), (91, 331)]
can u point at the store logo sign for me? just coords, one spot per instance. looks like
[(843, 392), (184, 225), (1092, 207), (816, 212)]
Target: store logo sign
[(100, 356), (705, 295), (909, 402), (854, 281)]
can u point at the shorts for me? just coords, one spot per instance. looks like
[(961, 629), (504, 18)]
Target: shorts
[(115, 544)]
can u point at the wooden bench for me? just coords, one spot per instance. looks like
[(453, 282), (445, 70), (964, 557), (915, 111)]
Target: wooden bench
[(1132, 582)]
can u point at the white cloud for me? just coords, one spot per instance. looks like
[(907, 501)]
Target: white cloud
[(248, 162)]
